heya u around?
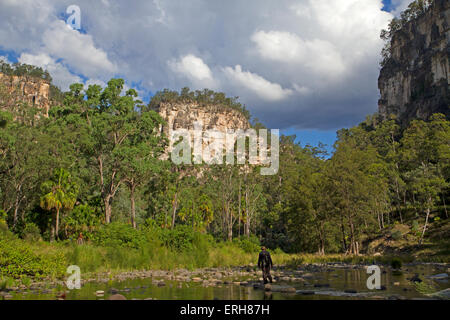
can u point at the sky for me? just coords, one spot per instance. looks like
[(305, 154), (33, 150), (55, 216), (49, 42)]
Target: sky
[(306, 67)]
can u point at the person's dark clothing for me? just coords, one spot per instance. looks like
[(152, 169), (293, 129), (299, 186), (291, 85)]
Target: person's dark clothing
[(265, 264)]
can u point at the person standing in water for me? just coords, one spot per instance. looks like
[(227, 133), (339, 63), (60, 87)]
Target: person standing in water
[(265, 264)]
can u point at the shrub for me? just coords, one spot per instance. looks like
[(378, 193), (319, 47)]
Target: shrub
[(396, 235), (3, 227), (249, 245), (19, 259), (119, 234), (396, 263), (278, 251), (180, 238), (31, 232)]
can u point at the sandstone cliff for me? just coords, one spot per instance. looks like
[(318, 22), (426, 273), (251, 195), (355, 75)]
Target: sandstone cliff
[(183, 115), (179, 115), (31, 90), (414, 82)]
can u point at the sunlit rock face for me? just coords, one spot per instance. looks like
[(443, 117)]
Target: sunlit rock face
[(186, 116), (30, 90), (183, 116), (414, 82)]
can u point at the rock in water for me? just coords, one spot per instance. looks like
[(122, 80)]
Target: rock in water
[(268, 287), (352, 291), (117, 297), (288, 290), (439, 276)]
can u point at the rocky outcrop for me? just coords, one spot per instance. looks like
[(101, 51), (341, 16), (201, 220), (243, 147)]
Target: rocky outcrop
[(211, 117), (414, 82), (31, 90), (184, 115)]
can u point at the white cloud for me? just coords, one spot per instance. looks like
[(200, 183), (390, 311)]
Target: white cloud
[(77, 49), (191, 66), (260, 86), (302, 90), (319, 55)]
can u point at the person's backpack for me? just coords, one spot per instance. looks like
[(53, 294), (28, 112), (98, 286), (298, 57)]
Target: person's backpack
[(266, 259)]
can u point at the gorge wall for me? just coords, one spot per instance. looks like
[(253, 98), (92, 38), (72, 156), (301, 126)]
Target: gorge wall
[(414, 82), (212, 117), (31, 90)]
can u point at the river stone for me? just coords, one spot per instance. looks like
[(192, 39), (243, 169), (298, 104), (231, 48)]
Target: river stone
[(439, 276), (321, 285), (350, 291), (305, 292), (117, 297), (289, 290), (268, 287)]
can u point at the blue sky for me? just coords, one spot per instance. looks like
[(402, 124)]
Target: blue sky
[(306, 67)]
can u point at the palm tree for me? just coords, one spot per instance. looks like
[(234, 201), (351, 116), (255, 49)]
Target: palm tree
[(59, 193)]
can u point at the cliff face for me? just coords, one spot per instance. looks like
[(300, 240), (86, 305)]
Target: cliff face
[(414, 82), (185, 115), (33, 91)]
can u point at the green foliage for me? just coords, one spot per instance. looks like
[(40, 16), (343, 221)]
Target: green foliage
[(81, 219), (205, 97), (396, 263), (19, 259), (180, 238), (249, 245), (118, 234), (396, 235), (31, 232), (425, 288), (19, 69)]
